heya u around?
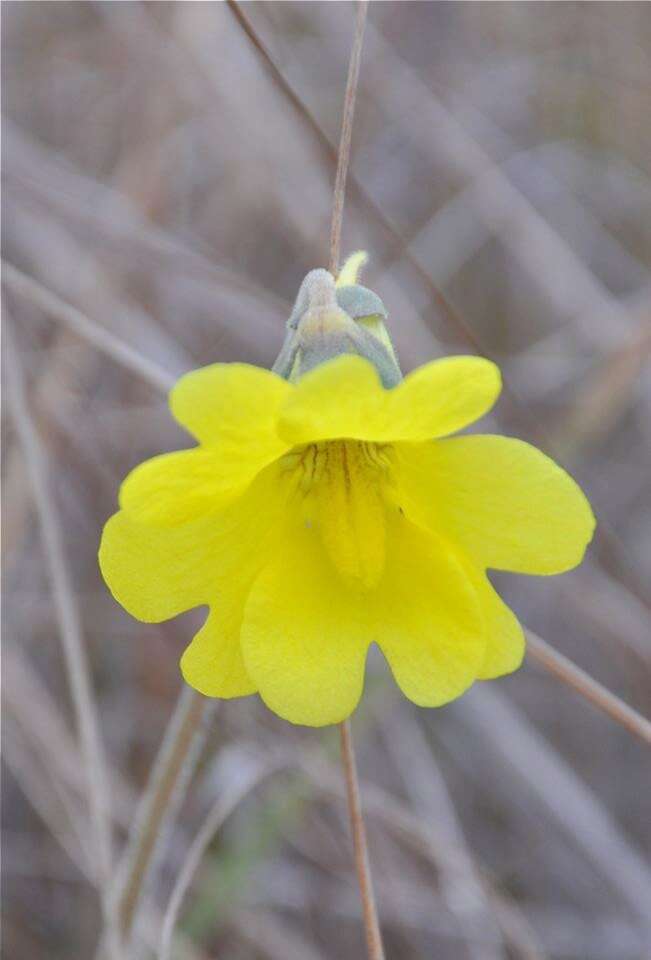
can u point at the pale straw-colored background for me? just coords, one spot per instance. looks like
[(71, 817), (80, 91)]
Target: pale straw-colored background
[(173, 185)]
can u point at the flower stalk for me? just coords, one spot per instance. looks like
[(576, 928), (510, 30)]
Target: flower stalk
[(346, 134), (362, 865)]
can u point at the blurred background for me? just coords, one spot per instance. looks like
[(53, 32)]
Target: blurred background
[(168, 181)]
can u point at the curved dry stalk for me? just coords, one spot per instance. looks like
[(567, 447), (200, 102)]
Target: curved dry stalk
[(221, 810), (60, 810), (459, 882), (37, 789), (358, 830), (572, 803), (174, 765), (580, 681), (25, 286), (343, 157), (179, 751), (74, 651)]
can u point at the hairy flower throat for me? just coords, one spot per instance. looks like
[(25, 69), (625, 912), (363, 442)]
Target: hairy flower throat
[(343, 485)]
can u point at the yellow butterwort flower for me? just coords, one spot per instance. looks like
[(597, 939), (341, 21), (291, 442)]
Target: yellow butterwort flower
[(325, 512)]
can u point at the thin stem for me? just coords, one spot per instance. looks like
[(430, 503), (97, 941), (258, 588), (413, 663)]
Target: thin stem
[(362, 865), (576, 678), (358, 830), (346, 134)]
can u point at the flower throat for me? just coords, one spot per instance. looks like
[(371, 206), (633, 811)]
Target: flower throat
[(343, 485)]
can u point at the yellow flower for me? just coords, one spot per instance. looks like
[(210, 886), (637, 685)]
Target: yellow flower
[(319, 516)]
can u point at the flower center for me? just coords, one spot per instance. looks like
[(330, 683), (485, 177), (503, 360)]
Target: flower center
[(343, 485)]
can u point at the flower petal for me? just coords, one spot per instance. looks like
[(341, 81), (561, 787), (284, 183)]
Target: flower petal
[(443, 396), (304, 635), (157, 573), (306, 630), (232, 408), (344, 398), (503, 501), (213, 663), (429, 625), (340, 398), (505, 643), (177, 487)]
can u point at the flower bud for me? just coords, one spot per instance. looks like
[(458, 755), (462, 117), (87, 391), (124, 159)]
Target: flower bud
[(331, 319)]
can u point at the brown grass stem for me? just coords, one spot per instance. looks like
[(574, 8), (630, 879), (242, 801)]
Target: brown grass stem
[(70, 630), (173, 767), (362, 865), (563, 669), (343, 157), (371, 925)]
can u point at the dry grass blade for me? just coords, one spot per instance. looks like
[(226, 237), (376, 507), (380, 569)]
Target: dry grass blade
[(45, 728), (216, 817), (71, 636), (175, 761), (35, 784), (590, 689), (173, 767), (425, 837), (37, 175), (32, 778), (459, 880), (605, 397), (343, 158), (578, 810), (273, 938), (544, 254), (104, 341)]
